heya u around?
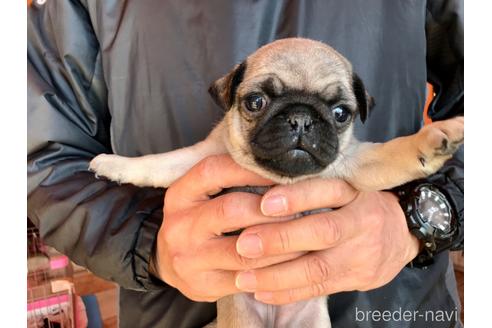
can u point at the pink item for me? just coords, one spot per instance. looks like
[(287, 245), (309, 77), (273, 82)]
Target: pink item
[(47, 302), (58, 262)]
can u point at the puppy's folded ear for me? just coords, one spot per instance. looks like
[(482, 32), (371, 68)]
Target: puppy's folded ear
[(364, 102), (223, 91)]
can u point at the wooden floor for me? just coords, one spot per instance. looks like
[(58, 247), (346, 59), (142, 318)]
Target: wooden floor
[(460, 282), (107, 294)]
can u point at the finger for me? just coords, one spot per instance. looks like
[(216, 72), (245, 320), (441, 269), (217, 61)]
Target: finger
[(309, 233), (220, 283), (211, 283), (307, 277), (305, 271), (234, 211), (211, 175), (198, 285), (295, 295), (307, 195), (221, 254)]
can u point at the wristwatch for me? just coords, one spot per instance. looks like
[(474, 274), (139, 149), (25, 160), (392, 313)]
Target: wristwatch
[(430, 217)]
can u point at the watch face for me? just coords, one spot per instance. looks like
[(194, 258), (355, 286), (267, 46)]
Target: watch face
[(434, 209)]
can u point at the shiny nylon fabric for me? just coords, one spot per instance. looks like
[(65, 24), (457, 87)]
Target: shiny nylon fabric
[(131, 77)]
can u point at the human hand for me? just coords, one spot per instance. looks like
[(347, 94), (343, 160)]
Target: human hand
[(360, 246), (191, 253)]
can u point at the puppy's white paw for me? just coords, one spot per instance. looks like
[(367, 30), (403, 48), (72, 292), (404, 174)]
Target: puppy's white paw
[(113, 167), (439, 141)]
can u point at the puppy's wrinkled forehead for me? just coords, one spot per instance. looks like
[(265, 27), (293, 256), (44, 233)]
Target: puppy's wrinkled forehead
[(299, 64)]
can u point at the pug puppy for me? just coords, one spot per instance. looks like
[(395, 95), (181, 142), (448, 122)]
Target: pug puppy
[(290, 109)]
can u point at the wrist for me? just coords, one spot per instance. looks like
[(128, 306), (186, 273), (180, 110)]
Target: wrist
[(430, 218), (414, 249), (413, 245)]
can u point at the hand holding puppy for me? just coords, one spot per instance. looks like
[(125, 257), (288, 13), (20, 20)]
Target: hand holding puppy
[(192, 255), (360, 246)]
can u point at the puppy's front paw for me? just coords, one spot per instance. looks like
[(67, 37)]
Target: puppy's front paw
[(109, 166), (439, 141)]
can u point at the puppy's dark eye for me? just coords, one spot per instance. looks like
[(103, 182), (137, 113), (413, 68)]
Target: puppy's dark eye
[(255, 102), (341, 114)]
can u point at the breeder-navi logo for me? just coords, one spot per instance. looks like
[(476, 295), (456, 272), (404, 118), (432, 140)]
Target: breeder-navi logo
[(401, 315)]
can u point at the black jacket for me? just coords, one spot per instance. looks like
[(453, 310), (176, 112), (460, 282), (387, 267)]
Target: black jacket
[(131, 77)]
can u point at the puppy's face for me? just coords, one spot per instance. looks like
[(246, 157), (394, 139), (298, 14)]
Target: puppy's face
[(290, 109)]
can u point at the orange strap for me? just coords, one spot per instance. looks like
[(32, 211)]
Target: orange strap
[(430, 96)]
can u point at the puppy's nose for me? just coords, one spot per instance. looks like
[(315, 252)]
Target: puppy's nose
[(300, 122)]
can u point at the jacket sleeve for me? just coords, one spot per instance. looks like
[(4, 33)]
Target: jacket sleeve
[(445, 54), (109, 229)]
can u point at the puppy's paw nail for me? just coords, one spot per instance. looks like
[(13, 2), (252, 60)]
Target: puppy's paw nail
[(444, 144), (443, 148), (422, 160)]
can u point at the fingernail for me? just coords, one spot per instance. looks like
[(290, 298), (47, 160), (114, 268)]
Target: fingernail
[(249, 245), (264, 296), (274, 205), (246, 281)]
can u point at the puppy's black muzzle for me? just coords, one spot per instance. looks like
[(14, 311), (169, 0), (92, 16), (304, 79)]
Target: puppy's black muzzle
[(296, 141), (300, 122)]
